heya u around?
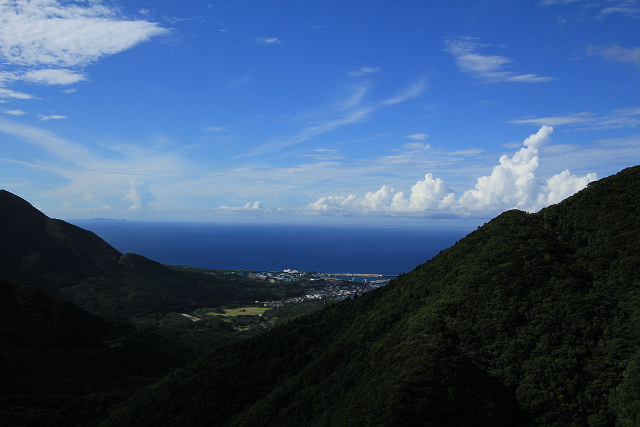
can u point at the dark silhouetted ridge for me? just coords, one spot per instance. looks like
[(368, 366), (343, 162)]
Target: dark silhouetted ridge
[(48, 253), (74, 264)]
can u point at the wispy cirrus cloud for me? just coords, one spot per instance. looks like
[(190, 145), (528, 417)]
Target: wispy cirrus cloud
[(352, 110), (625, 7), (116, 170), (617, 54), (323, 154), (418, 136), (52, 117), (602, 9), (363, 71), (268, 40), (616, 119), (7, 93), (490, 68)]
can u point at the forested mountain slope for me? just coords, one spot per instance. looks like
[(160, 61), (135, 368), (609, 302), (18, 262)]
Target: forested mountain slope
[(533, 319), (61, 366), (47, 253), (75, 264)]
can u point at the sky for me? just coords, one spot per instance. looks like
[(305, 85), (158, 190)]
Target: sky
[(355, 112)]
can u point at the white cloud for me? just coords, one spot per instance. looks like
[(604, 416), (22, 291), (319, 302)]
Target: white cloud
[(425, 195), (418, 136), (48, 32), (363, 71), (621, 118), (348, 112), (52, 77), (561, 186), (140, 195), (325, 154), (66, 209), (46, 41), (625, 7), (54, 117), (490, 68), (7, 93), (214, 129), (602, 9), (617, 53), (256, 205), (416, 146), (552, 2), (514, 183), (265, 40), (412, 91), (430, 194), (15, 112)]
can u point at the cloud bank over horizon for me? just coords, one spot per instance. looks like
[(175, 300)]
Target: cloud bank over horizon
[(513, 184)]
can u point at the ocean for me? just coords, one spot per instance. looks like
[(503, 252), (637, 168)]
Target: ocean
[(275, 247)]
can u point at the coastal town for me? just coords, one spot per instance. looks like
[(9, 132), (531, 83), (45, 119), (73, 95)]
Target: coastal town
[(318, 286)]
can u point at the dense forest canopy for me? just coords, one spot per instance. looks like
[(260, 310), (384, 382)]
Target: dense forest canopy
[(533, 319)]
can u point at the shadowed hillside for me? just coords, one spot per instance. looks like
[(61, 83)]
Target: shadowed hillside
[(533, 319), (47, 253), (74, 264), (61, 366)]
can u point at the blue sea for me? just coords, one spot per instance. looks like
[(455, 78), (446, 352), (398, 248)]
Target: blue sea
[(275, 247)]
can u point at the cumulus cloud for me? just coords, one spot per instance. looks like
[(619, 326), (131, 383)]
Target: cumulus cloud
[(48, 41), (513, 183), (140, 195), (251, 209), (256, 205), (428, 194), (561, 186), (490, 68), (372, 201)]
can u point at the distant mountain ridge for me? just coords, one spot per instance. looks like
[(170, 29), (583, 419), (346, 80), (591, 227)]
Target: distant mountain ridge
[(531, 320)]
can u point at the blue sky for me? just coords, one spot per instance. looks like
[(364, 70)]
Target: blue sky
[(318, 111)]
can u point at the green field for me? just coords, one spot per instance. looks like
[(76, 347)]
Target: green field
[(242, 311)]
